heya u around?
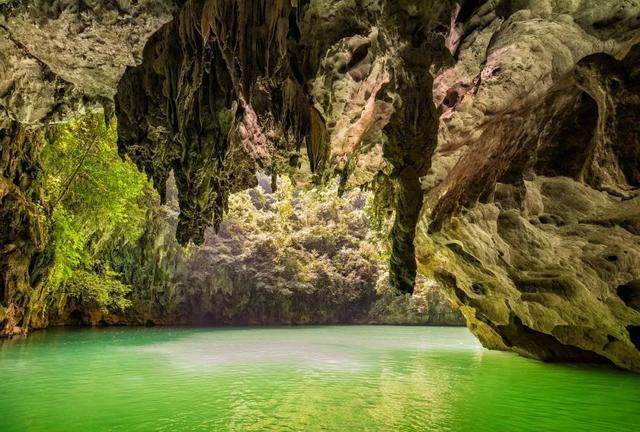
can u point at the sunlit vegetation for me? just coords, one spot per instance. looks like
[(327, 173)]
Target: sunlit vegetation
[(312, 250), (95, 198), (316, 240), (286, 256), (287, 252), (290, 255)]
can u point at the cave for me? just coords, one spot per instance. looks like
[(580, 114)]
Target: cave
[(567, 145), (188, 114), (265, 163), (516, 334), (75, 318), (629, 293)]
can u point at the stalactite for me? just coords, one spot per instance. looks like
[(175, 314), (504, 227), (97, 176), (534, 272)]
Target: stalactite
[(223, 96), (413, 127)]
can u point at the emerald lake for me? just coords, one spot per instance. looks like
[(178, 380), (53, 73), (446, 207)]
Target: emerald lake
[(325, 378)]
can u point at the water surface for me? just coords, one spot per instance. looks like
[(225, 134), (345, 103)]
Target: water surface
[(339, 378)]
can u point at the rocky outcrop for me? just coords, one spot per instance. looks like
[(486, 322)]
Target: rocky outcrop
[(64, 57), (23, 234), (222, 88), (530, 220)]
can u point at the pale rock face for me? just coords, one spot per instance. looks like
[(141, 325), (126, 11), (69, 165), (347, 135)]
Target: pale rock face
[(58, 59), (518, 58), (346, 92)]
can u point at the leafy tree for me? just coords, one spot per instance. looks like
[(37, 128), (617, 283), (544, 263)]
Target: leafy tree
[(97, 199)]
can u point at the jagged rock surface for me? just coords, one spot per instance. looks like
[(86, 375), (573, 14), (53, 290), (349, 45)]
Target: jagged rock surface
[(63, 57), (23, 234), (531, 218), (223, 89)]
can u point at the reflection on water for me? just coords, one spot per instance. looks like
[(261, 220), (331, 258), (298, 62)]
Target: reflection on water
[(307, 378)]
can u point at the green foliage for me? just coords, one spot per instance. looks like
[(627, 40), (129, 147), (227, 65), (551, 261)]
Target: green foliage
[(288, 256), (294, 255), (298, 254), (314, 238), (98, 290), (97, 199)]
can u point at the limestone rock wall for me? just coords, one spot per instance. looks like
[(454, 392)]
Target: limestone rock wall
[(531, 212), (23, 234), (59, 58)]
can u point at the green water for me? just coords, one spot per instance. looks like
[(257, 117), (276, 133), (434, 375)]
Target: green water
[(339, 378)]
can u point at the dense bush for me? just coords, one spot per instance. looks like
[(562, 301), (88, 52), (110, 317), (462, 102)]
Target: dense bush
[(287, 256), (307, 256)]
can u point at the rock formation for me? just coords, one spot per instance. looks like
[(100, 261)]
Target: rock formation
[(223, 89), (532, 211), (23, 234), (57, 59), (505, 130)]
